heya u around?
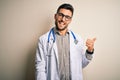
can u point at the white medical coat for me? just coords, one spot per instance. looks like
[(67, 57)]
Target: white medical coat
[(46, 62)]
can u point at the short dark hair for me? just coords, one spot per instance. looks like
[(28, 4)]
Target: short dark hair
[(66, 6)]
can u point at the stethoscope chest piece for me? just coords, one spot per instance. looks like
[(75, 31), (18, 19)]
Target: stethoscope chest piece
[(75, 41)]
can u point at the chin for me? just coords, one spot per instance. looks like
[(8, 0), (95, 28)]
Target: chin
[(62, 28)]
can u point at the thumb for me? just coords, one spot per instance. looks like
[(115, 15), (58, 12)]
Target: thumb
[(94, 39)]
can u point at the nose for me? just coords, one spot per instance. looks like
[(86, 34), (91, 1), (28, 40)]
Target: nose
[(63, 18)]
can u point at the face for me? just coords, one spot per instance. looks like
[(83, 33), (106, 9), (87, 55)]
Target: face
[(62, 19)]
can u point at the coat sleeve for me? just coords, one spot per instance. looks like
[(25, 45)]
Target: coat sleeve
[(40, 73), (86, 58)]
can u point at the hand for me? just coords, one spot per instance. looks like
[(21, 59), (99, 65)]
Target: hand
[(90, 44)]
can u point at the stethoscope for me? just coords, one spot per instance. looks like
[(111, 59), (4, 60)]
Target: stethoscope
[(54, 38)]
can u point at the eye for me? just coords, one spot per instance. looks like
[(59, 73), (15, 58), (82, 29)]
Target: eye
[(60, 14), (68, 17)]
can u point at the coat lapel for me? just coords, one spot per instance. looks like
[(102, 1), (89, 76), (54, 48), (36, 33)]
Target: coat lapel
[(56, 53)]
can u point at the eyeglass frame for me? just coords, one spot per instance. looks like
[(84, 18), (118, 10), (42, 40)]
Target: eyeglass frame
[(67, 18)]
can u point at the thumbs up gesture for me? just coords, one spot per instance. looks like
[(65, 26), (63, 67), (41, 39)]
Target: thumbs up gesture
[(90, 44)]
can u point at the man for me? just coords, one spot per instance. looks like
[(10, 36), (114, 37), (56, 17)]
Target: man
[(60, 54)]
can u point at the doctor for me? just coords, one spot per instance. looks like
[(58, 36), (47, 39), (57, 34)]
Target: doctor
[(60, 54)]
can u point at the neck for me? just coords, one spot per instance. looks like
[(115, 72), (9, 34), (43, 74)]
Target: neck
[(63, 32)]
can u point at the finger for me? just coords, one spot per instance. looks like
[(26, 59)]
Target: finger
[(89, 41), (89, 44)]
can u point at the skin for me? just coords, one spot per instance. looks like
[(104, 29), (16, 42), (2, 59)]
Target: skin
[(90, 44), (61, 23), (62, 26)]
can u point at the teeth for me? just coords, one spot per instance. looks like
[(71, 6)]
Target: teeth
[(62, 23)]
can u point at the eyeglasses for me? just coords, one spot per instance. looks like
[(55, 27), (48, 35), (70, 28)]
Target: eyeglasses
[(61, 15)]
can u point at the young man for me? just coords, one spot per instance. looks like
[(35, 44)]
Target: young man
[(60, 54)]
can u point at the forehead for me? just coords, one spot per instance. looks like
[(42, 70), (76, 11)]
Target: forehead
[(65, 12)]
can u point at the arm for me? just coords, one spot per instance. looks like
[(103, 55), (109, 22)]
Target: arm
[(40, 63), (88, 54), (86, 58)]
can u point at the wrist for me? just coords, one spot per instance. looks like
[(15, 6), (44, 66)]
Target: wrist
[(90, 51)]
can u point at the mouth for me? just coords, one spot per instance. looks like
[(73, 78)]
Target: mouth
[(61, 23)]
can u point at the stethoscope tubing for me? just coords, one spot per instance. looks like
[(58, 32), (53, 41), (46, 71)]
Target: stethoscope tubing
[(53, 34)]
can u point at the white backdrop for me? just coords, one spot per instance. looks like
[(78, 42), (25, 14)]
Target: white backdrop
[(23, 21)]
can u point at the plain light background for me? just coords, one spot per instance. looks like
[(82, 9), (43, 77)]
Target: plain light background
[(22, 22)]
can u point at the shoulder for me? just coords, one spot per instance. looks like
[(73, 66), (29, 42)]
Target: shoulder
[(43, 38)]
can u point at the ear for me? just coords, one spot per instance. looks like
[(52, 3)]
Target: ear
[(70, 20), (55, 16)]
